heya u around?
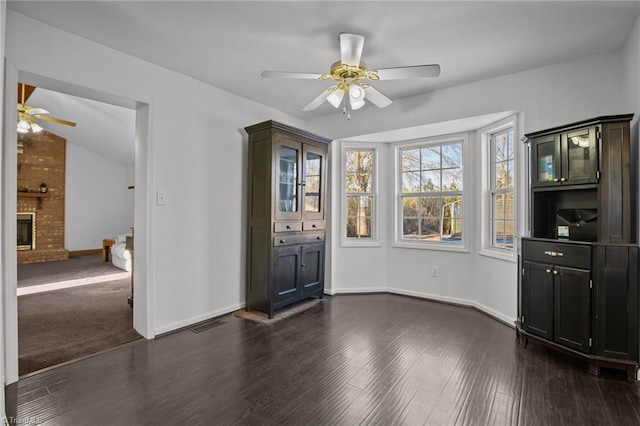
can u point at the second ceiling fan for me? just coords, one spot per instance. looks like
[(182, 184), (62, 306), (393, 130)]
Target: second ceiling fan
[(352, 77)]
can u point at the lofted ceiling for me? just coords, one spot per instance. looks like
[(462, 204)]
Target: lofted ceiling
[(229, 44), (104, 129)]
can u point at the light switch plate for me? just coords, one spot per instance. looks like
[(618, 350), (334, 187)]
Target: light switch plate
[(161, 198)]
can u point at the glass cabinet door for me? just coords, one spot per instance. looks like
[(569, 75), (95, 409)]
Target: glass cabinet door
[(546, 165), (288, 180), (312, 184), (580, 164)]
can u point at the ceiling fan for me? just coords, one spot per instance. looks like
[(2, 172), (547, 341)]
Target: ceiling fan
[(27, 114), (351, 78)]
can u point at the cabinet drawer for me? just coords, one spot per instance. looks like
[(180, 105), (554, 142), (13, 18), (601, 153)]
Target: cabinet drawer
[(287, 226), (310, 225), (562, 254), (298, 239)]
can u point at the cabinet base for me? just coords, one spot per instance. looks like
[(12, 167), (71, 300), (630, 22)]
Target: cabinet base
[(595, 362)]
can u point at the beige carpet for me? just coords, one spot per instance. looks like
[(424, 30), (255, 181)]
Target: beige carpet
[(262, 318)]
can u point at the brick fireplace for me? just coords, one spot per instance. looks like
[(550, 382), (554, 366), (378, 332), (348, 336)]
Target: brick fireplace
[(43, 160)]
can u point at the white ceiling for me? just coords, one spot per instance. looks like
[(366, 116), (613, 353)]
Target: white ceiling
[(228, 44), (105, 129)]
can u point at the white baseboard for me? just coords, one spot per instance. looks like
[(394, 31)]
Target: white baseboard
[(356, 290), (428, 296), (194, 320)]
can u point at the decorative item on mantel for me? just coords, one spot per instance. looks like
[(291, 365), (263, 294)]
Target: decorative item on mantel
[(43, 187)]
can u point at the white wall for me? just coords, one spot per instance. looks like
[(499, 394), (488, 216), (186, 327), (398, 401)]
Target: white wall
[(3, 16), (545, 97), (197, 155), (95, 199)]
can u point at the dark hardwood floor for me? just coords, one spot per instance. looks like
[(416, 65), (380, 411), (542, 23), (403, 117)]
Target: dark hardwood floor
[(358, 359)]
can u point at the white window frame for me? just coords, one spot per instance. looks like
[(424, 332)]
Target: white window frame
[(374, 240), (398, 241), (487, 166)]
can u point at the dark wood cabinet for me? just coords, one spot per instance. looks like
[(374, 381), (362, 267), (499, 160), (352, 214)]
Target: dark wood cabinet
[(286, 216), (567, 158), (578, 291)]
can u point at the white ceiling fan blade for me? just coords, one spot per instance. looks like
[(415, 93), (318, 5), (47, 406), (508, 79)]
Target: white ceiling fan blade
[(286, 74), (319, 100), (351, 49), (376, 97), (34, 111), (416, 71)]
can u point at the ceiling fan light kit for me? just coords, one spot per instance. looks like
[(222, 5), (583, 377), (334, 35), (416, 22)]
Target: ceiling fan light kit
[(27, 115), (349, 73)]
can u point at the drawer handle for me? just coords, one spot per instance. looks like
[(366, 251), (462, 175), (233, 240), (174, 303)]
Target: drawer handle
[(318, 238), (288, 226), (554, 253), (282, 241), (314, 226)]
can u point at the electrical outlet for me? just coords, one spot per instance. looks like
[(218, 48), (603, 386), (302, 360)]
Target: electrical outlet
[(435, 271)]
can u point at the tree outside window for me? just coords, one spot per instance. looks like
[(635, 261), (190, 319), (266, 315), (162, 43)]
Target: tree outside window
[(359, 189), (431, 193), (502, 189)]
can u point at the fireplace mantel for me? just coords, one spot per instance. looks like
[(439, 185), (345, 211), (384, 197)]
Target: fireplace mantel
[(38, 195)]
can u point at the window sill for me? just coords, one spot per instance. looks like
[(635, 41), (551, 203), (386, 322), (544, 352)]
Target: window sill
[(360, 243), (433, 247), (504, 255)]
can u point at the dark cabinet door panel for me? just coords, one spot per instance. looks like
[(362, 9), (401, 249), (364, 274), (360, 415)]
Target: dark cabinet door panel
[(571, 307), (286, 273), (537, 303), (616, 281), (312, 267)]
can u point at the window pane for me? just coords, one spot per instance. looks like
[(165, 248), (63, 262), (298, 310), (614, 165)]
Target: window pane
[(352, 206), (430, 229), (410, 160), (352, 227), (501, 179), (452, 207), (366, 161), (364, 182), (365, 227), (510, 174), (509, 206), (430, 158), (498, 206), (431, 181), (501, 147), (410, 228), (351, 182), (508, 233), (452, 155), (409, 206), (452, 180), (351, 161), (365, 206), (452, 230), (411, 182), (498, 233), (430, 206), (510, 154)]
